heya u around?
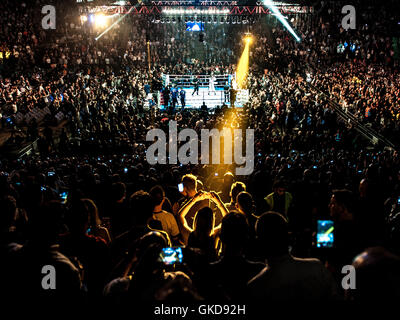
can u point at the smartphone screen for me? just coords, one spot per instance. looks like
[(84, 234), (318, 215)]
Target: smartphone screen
[(171, 255), (63, 196), (325, 233), (180, 187)]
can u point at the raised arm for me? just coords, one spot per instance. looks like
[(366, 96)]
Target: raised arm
[(185, 209), (221, 206)]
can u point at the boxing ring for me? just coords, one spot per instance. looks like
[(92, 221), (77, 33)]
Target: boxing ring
[(213, 90)]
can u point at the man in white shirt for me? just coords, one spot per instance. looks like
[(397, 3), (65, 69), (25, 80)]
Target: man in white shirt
[(167, 219)]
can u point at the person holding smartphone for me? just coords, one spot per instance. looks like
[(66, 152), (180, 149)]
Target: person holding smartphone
[(192, 203), (188, 189)]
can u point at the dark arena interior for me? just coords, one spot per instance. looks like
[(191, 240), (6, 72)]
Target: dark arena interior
[(123, 123)]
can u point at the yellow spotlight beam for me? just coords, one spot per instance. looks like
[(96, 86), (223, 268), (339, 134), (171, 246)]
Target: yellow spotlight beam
[(243, 65)]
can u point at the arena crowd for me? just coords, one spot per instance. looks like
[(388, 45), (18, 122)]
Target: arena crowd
[(88, 202)]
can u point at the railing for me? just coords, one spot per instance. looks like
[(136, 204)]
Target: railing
[(369, 133)]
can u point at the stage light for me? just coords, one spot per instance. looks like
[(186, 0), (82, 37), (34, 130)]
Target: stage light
[(270, 4), (248, 39), (100, 20), (91, 18), (84, 19), (122, 17)]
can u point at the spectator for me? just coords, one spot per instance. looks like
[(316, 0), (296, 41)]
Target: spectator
[(280, 200), (94, 223), (119, 211), (377, 276), (91, 251), (25, 263), (145, 275), (347, 234), (232, 264), (167, 219), (236, 188), (287, 278), (202, 236)]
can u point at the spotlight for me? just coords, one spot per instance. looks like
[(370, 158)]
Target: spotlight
[(91, 18), (100, 20), (84, 19), (248, 39)]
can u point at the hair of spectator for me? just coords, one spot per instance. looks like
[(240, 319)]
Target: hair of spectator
[(204, 221), (189, 182), (157, 193), (236, 188), (273, 233), (245, 200), (141, 204), (234, 229)]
